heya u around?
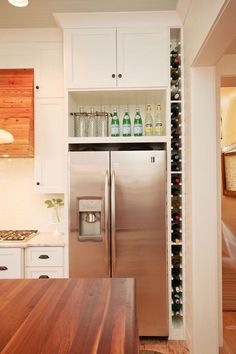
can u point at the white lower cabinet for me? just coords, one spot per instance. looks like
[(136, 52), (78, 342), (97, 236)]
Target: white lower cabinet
[(11, 263), (43, 272), (44, 262)]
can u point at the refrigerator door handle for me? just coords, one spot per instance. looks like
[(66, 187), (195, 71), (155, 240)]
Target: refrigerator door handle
[(106, 221), (113, 222)]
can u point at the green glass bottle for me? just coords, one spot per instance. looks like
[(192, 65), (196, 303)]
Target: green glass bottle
[(126, 124), (138, 124), (115, 124)]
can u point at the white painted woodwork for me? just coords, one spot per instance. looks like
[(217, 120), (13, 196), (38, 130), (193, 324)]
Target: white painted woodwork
[(142, 57), (49, 70), (12, 259), (49, 147), (36, 256), (90, 58), (100, 58), (37, 272)]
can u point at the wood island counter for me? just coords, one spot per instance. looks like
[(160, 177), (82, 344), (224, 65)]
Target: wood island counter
[(59, 316)]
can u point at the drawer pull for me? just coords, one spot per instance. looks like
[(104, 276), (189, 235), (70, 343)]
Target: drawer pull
[(44, 276), (43, 256), (3, 268)]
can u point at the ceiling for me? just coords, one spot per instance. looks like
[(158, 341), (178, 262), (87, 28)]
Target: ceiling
[(39, 13)]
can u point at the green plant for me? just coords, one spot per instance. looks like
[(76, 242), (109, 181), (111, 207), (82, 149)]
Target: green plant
[(55, 203)]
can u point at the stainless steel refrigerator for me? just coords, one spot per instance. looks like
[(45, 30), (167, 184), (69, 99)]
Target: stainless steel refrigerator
[(118, 226)]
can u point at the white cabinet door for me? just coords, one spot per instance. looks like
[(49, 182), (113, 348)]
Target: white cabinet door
[(142, 57), (49, 145), (49, 70), (43, 272), (102, 58), (11, 263), (90, 58)]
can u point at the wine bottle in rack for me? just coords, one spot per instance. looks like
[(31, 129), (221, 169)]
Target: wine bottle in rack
[(176, 190), (175, 132), (176, 179), (176, 144), (175, 109), (177, 289), (175, 121), (148, 128), (176, 227), (175, 61), (176, 237), (176, 297), (176, 216), (175, 96), (175, 156), (175, 166), (175, 73)]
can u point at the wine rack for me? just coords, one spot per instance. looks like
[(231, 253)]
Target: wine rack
[(176, 177)]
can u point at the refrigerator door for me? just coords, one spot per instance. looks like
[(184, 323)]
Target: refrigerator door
[(89, 214), (139, 245)]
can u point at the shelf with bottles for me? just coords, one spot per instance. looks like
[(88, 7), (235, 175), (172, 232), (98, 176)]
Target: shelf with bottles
[(99, 108)]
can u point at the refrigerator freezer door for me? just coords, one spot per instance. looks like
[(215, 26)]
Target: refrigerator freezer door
[(139, 246), (89, 215)]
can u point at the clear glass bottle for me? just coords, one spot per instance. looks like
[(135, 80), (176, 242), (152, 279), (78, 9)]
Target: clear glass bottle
[(115, 124), (92, 123), (80, 123), (126, 124), (138, 123), (158, 126), (148, 128), (102, 123)]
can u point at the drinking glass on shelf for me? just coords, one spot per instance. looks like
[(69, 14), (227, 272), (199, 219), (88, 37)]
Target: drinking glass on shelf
[(80, 125), (92, 124)]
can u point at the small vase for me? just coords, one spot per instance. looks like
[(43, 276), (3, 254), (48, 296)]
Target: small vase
[(56, 219)]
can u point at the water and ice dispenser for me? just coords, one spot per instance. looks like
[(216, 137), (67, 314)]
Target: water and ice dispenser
[(89, 210)]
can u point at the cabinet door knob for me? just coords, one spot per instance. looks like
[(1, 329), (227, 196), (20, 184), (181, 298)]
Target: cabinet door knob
[(43, 276), (119, 76), (3, 268), (43, 256), (113, 76), (37, 87), (37, 183)]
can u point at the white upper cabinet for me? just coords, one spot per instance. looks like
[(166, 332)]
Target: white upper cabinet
[(110, 58), (49, 70), (90, 58), (142, 57), (49, 147)]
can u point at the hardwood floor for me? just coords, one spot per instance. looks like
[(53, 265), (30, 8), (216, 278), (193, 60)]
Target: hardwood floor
[(180, 347), (229, 283), (165, 346), (229, 321)]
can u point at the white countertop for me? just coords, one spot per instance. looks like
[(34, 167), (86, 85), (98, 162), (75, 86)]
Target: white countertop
[(41, 240)]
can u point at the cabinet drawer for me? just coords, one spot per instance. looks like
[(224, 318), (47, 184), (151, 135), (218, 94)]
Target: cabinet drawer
[(43, 272), (44, 256), (11, 263)]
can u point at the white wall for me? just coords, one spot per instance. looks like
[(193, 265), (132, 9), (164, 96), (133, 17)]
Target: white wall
[(21, 207)]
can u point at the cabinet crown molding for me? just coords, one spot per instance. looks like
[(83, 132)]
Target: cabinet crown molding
[(117, 19)]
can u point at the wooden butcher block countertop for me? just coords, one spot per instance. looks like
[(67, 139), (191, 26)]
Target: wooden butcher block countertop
[(57, 316)]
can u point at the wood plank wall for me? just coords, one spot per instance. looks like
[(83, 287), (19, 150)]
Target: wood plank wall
[(17, 111)]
